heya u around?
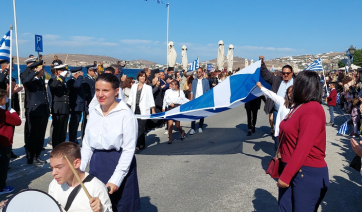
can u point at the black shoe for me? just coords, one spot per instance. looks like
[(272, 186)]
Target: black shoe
[(249, 133), (13, 155), (253, 130), (38, 159), (37, 163)]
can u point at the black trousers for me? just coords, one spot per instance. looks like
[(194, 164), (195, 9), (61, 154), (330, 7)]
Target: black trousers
[(60, 123), (37, 126), (75, 117), (141, 140), (252, 115), (84, 123), (4, 165), (26, 128), (201, 124)]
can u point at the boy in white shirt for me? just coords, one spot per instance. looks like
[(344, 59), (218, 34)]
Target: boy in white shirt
[(65, 188)]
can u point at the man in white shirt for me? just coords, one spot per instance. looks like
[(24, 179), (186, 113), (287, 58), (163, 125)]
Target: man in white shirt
[(65, 188), (198, 88)]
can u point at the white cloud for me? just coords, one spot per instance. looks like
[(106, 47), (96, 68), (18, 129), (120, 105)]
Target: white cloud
[(75, 41), (136, 41)]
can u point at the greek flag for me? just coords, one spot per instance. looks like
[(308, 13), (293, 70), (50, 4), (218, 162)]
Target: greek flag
[(350, 57), (343, 129), (230, 93), (272, 69), (210, 67), (346, 69), (194, 66), (315, 66), (5, 47)]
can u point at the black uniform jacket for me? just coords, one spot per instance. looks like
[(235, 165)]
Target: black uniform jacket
[(59, 90), (37, 104), (76, 94)]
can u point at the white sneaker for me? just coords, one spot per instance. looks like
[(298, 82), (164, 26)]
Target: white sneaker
[(200, 130), (191, 132), (166, 132)]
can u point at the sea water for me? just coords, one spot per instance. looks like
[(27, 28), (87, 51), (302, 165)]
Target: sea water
[(129, 72)]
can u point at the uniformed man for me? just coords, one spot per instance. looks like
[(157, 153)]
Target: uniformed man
[(23, 75), (76, 100), (37, 109), (60, 104), (88, 85)]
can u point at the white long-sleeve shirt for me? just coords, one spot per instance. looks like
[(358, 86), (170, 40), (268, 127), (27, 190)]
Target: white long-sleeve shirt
[(173, 96), (118, 129), (282, 111)]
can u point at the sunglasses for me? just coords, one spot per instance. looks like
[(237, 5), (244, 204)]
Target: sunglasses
[(286, 73)]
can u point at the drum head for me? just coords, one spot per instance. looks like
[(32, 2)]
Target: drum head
[(32, 200)]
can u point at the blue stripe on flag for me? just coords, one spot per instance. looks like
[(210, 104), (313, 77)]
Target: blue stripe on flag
[(315, 66), (204, 101), (239, 82)]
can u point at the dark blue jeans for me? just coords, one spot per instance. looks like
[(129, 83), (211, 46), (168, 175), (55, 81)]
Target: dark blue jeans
[(201, 124)]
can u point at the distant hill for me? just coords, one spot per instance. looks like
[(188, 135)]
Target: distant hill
[(300, 62)]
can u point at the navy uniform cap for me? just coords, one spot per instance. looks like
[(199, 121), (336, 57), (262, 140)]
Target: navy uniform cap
[(30, 60), (91, 67), (36, 64), (61, 67), (76, 69)]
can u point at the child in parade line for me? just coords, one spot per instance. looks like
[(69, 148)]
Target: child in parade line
[(8, 120), (331, 102), (284, 105), (355, 116), (65, 182)]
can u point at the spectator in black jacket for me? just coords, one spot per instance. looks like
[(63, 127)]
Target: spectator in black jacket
[(279, 85)]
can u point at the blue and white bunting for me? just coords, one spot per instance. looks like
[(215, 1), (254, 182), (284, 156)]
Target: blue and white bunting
[(343, 130), (5, 47), (230, 93), (315, 66), (194, 66)]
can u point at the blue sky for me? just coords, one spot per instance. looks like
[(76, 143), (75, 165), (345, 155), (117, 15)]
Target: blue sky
[(136, 29)]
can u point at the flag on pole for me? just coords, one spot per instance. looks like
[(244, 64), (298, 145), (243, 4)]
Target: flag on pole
[(5, 47), (346, 69), (194, 66), (315, 66), (232, 92), (350, 57), (343, 129)]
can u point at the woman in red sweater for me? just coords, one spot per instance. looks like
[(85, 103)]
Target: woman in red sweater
[(303, 180)]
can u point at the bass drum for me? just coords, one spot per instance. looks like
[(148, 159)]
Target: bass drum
[(32, 200)]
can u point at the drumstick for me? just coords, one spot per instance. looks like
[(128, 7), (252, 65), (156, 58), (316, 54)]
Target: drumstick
[(77, 176)]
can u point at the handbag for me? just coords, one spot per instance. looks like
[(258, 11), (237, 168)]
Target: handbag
[(273, 166), (356, 163)]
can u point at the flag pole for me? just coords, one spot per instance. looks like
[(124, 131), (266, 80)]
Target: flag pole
[(10, 67), (168, 12), (17, 57)]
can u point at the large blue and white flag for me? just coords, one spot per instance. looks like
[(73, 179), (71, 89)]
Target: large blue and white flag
[(343, 129), (5, 47), (230, 93), (315, 66), (194, 66), (350, 57)]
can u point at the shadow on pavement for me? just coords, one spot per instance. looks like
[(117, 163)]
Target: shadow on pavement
[(146, 205), (264, 201)]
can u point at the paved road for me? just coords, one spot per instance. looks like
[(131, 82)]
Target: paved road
[(219, 170)]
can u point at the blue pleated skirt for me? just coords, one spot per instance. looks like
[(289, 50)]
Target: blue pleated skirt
[(102, 165)]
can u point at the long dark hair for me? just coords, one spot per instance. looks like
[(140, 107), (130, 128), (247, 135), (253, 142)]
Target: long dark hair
[(109, 78), (307, 87), (127, 83), (287, 101)]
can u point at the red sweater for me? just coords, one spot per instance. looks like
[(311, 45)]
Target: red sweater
[(7, 122), (332, 98), (304, 140)]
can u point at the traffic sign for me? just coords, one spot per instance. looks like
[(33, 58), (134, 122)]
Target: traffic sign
[(38, 43)]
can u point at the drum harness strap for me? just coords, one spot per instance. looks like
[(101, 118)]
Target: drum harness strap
[(75, 191)]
